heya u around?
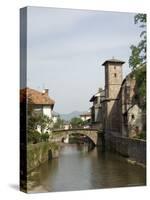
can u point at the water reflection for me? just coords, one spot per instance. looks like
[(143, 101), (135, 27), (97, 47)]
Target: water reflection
[(78, 169)]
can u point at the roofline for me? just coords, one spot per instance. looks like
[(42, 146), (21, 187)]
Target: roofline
[(85, 114), (26, 96), (111, 61)]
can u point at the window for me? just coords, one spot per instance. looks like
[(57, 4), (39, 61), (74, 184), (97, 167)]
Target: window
[(115, 75), (114, 67), (132, 116)]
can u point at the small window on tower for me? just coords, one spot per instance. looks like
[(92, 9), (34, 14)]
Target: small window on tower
[(115, 75), (132, 116), (114, 67)]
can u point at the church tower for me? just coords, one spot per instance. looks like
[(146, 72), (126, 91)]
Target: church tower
[(113, 81)]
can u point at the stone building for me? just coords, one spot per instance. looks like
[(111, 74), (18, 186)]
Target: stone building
[(40, 101), (86, 116), (121, 112), (96, 109), (113, 81), (124, 122), (132, 118)]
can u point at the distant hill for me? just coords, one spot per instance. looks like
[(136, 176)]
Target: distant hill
[(69, 116)]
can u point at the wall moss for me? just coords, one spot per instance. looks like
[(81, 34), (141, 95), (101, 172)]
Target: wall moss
[(40, 153)]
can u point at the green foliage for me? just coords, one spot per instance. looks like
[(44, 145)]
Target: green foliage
[(138, 52), (59, 124), (140, 75), (44, 137), (137, 60), (34, 137), (42, 122), (76, 122), (141, 135)]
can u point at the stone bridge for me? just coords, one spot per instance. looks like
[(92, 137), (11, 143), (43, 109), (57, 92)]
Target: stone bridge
[(93, 134)]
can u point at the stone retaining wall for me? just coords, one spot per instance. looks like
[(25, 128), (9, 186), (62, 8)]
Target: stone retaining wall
[(39, 153), (134, 149)]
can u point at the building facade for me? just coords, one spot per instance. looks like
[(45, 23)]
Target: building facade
[(39, 101), (96, 109), (133, 120), (121, 113), (85, 116), (113, 81)]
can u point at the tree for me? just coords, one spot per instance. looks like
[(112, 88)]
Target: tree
[(76, 122), (38, 127), (137, 61), (59, 123), (44, 123)]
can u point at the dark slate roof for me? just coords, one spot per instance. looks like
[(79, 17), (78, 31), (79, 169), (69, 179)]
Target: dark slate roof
[(113, 60)]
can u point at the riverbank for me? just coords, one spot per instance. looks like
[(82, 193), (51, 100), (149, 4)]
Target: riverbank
[(133, 149), (39, 153), (79, 169)]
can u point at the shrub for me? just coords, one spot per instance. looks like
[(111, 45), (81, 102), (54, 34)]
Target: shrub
[(44, 137), (34, 137)]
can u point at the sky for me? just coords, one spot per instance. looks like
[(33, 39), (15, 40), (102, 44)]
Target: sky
[(66, 49)]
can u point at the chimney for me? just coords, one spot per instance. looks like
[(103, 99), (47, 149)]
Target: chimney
[(45, 91)]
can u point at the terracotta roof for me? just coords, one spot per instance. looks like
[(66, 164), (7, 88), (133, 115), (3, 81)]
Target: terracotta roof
[(113, 61), (35, 97)]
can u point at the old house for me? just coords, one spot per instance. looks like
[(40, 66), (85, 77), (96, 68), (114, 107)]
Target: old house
[(39, 101), (67, 125), (122, 114), (96, 109), (86, 116), (132, 118)]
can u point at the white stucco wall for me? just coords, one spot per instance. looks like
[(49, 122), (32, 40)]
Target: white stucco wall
[(54, 118), (47, 111), (66, 126), (84, 118)]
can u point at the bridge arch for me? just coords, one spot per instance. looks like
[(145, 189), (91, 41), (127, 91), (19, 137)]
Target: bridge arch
[(92, 134)]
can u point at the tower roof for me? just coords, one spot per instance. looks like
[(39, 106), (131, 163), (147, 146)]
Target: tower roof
[(113, 60)]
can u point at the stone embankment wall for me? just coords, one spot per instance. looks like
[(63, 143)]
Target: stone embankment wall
[(134, 149), (39, 153)]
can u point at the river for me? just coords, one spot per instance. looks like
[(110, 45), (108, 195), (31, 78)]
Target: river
[(80, 169)]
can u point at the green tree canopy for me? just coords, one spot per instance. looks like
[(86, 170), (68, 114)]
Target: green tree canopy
[(38, 127), (59, 123), (137, 60), (76, 122)]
